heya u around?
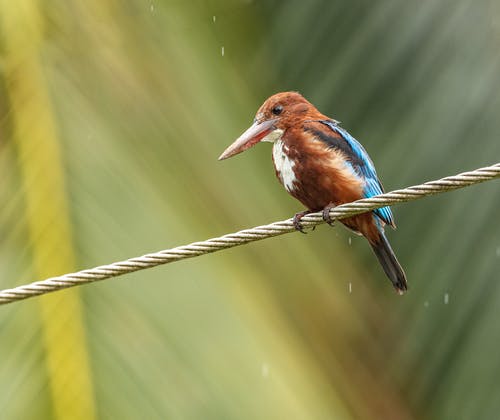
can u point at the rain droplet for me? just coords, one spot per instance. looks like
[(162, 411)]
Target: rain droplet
[(426, 303), (222, 51), (152, 7), (350, 287), (446, 298), (350, 240), (213, 18)]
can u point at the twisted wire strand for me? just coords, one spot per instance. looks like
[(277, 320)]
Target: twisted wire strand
[(248, 235)]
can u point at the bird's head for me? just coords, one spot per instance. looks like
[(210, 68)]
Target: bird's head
[(278, 113)]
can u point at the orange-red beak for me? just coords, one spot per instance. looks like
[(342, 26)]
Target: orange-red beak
[(249, 138)]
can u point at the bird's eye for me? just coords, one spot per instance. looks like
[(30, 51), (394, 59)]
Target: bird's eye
[(277, 110)]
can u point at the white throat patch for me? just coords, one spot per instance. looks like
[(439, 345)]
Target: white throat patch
[(273, 136), (284, 165)]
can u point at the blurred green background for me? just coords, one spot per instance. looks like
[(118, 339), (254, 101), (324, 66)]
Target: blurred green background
[(112, 116)]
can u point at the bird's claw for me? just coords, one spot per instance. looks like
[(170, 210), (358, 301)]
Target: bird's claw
[(326, 215), (296, 221)]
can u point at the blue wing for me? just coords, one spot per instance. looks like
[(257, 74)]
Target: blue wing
[(363, 166)]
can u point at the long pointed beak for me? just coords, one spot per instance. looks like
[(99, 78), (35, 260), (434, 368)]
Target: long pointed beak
[(249, 138)]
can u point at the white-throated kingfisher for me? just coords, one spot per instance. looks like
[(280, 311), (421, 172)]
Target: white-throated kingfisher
[(322, 165)]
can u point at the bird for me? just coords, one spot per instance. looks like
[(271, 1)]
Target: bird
[(320, 164)]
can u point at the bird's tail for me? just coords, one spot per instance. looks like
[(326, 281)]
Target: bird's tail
[(390, 263)]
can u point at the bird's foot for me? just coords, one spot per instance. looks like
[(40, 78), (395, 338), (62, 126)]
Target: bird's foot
[(296, 220), (326, 214)]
